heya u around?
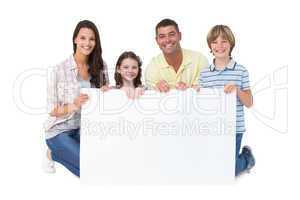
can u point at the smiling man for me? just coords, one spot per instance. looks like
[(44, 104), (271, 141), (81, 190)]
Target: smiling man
[(176, 67)]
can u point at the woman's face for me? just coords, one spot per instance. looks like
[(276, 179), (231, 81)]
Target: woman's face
[(128, 69), (85, 41)]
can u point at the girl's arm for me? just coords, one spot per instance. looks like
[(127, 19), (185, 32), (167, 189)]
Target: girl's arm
[(106, 88)]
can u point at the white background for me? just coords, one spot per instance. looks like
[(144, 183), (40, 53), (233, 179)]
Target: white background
[(37, 34)]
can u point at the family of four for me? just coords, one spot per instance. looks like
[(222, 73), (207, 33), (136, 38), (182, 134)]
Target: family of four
[(175, 68)]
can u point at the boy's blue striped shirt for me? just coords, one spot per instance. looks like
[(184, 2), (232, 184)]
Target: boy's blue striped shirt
[(233, 72)]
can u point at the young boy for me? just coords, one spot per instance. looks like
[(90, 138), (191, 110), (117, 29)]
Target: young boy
[(227, 73)]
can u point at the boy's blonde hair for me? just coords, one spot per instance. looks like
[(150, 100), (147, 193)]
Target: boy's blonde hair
[(223, 31)]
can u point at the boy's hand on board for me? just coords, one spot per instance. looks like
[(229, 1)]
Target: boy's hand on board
[(230, 87)]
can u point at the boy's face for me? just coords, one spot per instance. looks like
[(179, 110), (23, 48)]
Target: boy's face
[(168, 39), (220, 47)]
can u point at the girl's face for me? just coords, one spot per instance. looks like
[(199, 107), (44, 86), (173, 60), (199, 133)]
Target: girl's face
[(85, 41), (220, 47), (128, 69)]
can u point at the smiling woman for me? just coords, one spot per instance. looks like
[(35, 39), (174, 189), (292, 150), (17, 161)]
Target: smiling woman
[(85, 68)]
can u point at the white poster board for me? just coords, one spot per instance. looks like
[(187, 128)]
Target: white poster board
[(181, 137)]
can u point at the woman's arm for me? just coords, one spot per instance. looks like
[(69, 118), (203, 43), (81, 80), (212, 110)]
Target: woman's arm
[(66, 109)]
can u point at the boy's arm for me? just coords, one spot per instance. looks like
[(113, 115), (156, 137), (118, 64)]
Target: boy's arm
[(244, 93), (245, 97)]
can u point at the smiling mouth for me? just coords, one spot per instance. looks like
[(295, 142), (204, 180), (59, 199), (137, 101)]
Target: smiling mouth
[(87, 48), (131, 75), (169, 46), (220, 51)]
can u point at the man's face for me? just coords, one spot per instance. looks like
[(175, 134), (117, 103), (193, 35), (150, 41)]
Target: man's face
[(168, 39)]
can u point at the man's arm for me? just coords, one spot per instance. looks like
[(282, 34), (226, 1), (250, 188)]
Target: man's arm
[(151, 75), (201, 64)]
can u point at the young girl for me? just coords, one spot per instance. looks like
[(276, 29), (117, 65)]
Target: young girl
[(227, 73), (85, 68), (128, 74)]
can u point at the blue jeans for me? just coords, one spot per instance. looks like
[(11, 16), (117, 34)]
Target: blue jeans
[(65, 148), (240, 159)]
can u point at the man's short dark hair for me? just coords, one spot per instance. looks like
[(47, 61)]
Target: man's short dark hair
[(166, 22)]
